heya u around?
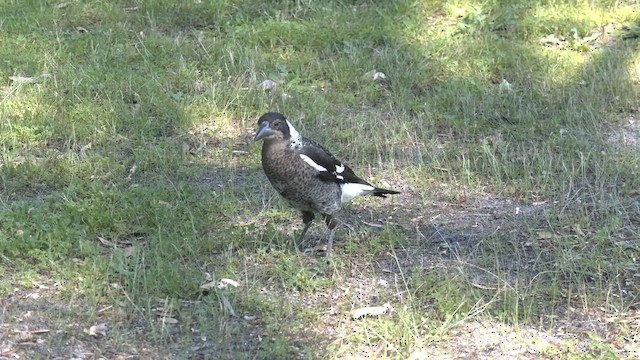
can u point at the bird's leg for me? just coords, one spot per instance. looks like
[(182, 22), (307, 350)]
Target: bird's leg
[(307, 218), (332, 223)]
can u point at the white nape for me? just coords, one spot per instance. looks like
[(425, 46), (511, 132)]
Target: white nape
[(353, 190), (312, 163), (293, 132), (295, 139)]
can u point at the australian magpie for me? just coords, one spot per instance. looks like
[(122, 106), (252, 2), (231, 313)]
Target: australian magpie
[(307, 175)]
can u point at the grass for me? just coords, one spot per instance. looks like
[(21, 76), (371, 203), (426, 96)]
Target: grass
[(129, 178)]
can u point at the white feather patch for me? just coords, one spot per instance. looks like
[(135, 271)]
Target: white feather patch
[(339, 168), (295, 137), (312, 163), (353, 190)]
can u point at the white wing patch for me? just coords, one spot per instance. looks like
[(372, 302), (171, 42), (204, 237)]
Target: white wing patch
[(312, 163), (295, 138), (339, 168), (353, 190)]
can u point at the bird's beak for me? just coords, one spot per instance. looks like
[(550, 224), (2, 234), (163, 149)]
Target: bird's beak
[(264, 131)]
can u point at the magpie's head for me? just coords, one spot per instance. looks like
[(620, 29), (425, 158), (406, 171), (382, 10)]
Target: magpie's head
[(273, 125)]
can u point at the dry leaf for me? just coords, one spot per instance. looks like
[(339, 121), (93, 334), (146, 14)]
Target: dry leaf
[(106, 242), (99, 330), (23, 79), (169, 320), (7, 352), (545, 235), (224, 282), (375, 75), (370, 311), (209, 285), (267, 85)]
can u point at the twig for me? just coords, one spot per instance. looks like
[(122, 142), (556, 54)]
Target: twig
[(31, 332), (372, 224)]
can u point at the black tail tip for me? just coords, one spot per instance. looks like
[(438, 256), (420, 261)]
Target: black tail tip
[(384, 192)]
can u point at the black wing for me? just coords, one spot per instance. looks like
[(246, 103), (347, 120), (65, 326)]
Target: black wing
[(335, 170)]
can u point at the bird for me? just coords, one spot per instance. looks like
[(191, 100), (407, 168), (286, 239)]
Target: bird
[(307, 175)]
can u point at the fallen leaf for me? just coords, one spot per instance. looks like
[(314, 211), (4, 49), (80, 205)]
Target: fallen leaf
[(99, 330), (209, 285), (23, 79), (545, 235), (169, 320), (7, 352), (106, 242), (375, 75), (224, 282), (370, 311), (267, 85)]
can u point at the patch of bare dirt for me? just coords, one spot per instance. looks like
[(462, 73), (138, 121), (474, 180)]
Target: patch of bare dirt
[(627, 133), (43, 323), (447, 233), (39, 323)]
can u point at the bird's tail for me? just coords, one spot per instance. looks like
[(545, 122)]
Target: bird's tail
[(384, 192)]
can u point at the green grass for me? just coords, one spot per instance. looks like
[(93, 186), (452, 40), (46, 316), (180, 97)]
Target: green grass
[(128, 176)]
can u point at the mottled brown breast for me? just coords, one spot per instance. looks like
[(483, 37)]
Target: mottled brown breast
[(298, 182)]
